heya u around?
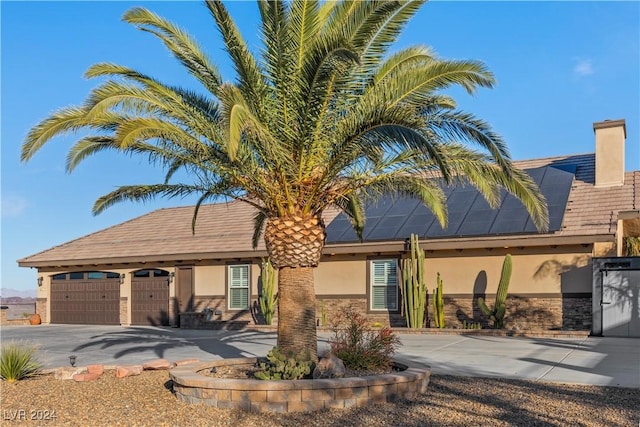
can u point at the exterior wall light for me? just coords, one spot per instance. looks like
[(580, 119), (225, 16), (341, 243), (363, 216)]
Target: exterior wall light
[(40, 280), (122, 276), (171, 276)]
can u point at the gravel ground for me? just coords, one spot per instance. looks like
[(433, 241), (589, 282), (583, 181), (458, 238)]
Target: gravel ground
[(146, 400)]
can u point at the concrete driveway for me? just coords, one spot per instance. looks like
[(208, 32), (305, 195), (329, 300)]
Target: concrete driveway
[(593, 360)]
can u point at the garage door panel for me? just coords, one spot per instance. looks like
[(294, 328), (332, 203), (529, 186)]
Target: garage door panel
[(93, 302), (150, 301)]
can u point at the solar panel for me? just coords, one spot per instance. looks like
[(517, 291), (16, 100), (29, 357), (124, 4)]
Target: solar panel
[(395, 218), (454, 220), (386, 228), (421, 221)]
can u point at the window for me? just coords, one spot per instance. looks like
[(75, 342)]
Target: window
[(238, 283), (160, 273), (384, 284), (86, 275), (95, 275), (142, 273)]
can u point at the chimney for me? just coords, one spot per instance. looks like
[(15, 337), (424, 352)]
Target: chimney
[(610, 136)]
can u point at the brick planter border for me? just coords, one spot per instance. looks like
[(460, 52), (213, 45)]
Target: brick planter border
[(294, 396)]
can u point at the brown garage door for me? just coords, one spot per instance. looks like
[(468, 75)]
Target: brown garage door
[(91, 298), (150, 297)]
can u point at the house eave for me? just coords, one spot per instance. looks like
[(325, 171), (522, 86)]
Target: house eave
[(471, 243), (332, 249)]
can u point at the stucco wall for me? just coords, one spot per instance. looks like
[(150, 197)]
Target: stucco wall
[(554, 270), (340, 275), (209, 279)]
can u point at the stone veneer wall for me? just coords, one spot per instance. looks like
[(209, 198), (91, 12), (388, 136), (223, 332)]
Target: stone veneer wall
[(124, 312), (41, 309), (533, 312), (524, 312), (334, 307), (577, 313)]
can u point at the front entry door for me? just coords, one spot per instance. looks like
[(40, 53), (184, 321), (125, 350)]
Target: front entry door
[(184, 291)]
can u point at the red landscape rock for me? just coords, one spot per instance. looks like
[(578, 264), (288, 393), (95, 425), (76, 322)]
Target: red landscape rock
[(95, 369), (128, 371), (157, 364), (185, 362), (86, 377)]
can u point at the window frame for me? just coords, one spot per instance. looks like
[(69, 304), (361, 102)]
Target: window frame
[(370, 285), (229, 287)]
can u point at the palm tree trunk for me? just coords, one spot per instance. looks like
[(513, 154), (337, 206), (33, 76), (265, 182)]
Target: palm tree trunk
[(297, 311)]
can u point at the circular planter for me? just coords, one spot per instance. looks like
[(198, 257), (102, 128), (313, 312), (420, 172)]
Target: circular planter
[(294, 396)]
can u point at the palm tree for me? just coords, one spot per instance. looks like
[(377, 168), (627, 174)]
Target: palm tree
[(324, 117)]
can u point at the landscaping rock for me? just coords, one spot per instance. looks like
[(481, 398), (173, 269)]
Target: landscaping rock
[(157, 364), (329, 366), (185, 362), (86, 377), (95, 369), (128, 371), (67, 373)]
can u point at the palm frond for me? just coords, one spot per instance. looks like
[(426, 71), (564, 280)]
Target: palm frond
[(67, 120), (352, 206), (144, 193), (251, 81), (258, 224), (179, 43)]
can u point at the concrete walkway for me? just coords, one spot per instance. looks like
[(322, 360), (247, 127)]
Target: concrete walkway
[(593, 360)]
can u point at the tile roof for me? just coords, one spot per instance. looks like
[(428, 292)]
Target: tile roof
[(225, 230)]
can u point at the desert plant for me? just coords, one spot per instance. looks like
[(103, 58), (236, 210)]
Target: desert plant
[(496, 315), (438, 304), (280, 366), (268, 298), (323, 313), (414, 291), (18, 361), (471, 325), (632, 246), (359, 346)]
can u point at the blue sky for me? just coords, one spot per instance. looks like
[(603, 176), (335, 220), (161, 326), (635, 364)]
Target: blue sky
[(560, 66)]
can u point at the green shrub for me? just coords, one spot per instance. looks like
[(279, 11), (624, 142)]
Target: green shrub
[(632, 246), (18, 361), (281, 366), (359, 346)]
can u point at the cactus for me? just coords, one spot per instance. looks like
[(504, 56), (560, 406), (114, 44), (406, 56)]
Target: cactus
[(438, 304), (281, 366), (268, 297), (497, 314), (414, 291), (324, 314)]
